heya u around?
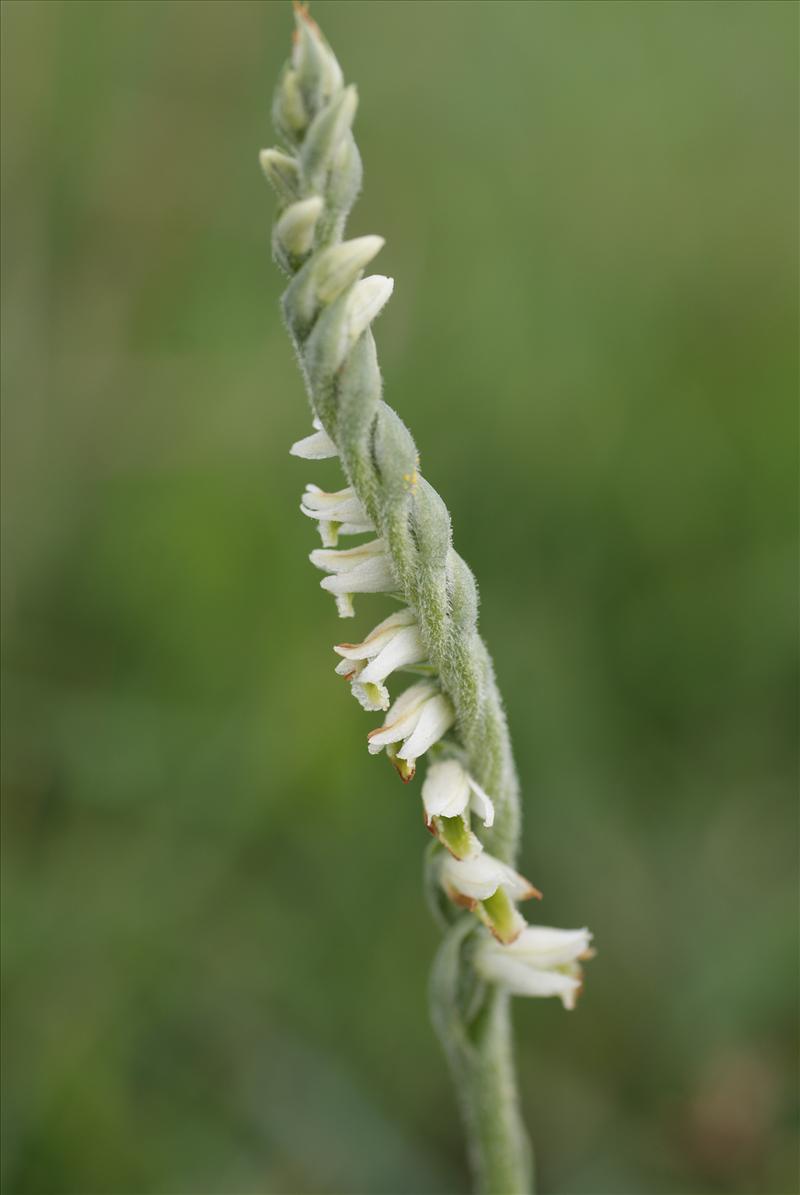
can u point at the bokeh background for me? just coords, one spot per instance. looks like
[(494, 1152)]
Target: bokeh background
[(215, 941)]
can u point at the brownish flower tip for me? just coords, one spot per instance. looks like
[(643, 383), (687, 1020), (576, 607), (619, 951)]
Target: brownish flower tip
[(302, 11), (405, 770), (504, 939), (530, 892), (464, 902)]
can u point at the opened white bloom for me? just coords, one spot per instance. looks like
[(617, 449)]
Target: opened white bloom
[(541, 962), (469, 881), (316, 447), (418, 719), (394, 643), (450, 791), (363, 569), (489, 888), (339, 513)]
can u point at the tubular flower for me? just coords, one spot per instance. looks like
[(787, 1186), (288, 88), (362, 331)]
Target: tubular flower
[(329, 307), (337, 514), (541, 962), (394, 643), (418, 719), (363, 569), (489, 888), (450, 791)]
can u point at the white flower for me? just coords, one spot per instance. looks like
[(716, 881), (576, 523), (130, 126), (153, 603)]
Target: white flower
[(476, 879), (316, 447), (363, 569), (541, 962), (339, 513), (418, 718), (450, 791), (392, 644)]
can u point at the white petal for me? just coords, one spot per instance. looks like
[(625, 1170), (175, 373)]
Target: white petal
[(481, 803), (480, 878), (475, 878), (340, 507), (316, 447), (497, 964), (377, 639), (436, 718), (370, 576), (349, 669), (347, 559), (402, 717), (367, 298), (393, 731), (445, 792), (541, 946), (404, 647)]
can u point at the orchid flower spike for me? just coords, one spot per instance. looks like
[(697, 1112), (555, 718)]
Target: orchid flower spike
[(418, 719), (540, 962), (330, 307), (394, 643), (364, 569)]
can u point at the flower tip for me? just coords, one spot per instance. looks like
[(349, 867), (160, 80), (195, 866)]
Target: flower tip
[(506, 936)]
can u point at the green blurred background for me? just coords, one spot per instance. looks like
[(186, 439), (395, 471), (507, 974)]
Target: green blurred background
[(215, 941)]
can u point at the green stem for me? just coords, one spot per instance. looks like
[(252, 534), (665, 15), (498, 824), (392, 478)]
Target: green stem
[(480, 1053)]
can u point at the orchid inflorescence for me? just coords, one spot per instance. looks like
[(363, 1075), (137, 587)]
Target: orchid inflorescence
[(452, 711)]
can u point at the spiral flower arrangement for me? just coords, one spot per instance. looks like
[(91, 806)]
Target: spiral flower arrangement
[(452, 711)]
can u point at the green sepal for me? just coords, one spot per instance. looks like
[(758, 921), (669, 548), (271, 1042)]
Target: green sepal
[(455, 836), (499, 914)]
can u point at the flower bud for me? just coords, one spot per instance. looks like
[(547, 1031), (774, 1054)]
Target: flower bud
[(282, 172), (338, 267), (294, 231)]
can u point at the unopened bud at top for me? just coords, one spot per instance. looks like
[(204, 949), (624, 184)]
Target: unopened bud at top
[(318, 72)]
